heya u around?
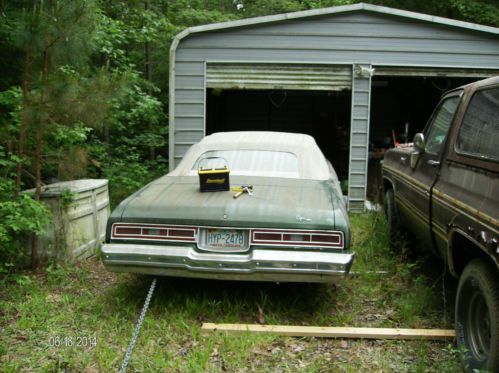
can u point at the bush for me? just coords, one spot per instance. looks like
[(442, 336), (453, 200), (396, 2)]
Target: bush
[(130, 173), (19, 216)]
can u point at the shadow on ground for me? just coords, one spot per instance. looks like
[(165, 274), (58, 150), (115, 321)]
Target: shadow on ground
[(229, 301)]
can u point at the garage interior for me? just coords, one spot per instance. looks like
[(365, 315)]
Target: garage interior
[(325, 115), (396, 101), (400, 107)]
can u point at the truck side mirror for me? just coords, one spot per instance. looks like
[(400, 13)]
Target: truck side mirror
[(419, 143)]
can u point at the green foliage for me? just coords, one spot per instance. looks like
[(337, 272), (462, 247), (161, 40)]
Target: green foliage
[(10, 111), (128, 174), (476, 11), (122, 147), (262, 7), (55, 27), (61, 93), (194, 17), (69, 136), (67, 197), (111, 40), (19, 216)]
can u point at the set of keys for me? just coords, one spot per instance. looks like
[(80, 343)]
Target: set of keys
[(242, 189)]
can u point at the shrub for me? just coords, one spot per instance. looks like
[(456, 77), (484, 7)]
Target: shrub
[(19, 216)]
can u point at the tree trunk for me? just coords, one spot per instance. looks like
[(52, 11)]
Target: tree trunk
[(152, 152), (38, 157), (24, 122), (38, 151)]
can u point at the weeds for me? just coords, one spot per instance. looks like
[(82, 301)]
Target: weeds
[(88, 301)]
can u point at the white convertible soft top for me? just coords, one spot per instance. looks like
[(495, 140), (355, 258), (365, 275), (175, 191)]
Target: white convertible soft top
[(311, 161)]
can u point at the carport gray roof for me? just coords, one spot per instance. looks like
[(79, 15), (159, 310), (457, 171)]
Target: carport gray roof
[(332, 10)]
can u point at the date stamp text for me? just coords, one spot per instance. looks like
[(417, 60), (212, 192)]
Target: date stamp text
[(77, 341)]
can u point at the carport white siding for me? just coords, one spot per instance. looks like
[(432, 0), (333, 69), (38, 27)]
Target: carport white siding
[(347, 35)]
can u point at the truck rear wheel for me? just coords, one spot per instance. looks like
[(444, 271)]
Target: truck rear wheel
[(477, 316)]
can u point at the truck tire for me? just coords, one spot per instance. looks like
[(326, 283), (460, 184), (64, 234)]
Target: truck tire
[(391, 217), (477, 317)]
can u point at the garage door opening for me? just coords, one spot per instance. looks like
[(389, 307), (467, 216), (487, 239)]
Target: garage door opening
[(400, 108), (325, 115)]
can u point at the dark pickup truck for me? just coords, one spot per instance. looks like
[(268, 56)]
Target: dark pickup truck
[(445, 191)]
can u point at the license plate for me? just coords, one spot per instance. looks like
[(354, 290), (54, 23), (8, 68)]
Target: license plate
[(224, 239)]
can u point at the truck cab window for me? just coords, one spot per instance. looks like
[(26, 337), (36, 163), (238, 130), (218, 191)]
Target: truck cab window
[(479, 133), (440, 125)]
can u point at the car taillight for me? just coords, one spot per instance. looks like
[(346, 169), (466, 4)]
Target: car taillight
[(154, 232), (279, 237)]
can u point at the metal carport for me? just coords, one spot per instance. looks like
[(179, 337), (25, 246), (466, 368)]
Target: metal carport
[(330, 49)]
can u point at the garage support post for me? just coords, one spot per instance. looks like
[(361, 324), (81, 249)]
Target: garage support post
[(359, 136)]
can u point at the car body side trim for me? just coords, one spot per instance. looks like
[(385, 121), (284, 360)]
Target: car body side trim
[(463, 208), (403, 176)]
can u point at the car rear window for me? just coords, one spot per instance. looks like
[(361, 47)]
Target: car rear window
[(252, 162), (480, 129)]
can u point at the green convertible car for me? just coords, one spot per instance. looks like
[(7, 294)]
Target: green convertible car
[(255, 206)]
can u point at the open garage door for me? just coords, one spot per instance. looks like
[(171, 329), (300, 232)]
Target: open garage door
[(301, 98), (427, 72), (323, 115), (402, 101), (278, 76)]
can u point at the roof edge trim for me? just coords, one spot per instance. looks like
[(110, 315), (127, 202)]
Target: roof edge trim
[(335, 10)]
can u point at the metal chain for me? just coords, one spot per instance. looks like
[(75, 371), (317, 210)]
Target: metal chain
[(138, 326)]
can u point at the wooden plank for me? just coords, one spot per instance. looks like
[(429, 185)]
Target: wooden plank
[(332, 332)]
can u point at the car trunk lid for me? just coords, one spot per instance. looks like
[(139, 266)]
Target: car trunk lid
[(275, 203)]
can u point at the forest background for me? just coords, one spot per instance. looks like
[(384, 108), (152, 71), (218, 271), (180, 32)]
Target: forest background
[(84, 91)]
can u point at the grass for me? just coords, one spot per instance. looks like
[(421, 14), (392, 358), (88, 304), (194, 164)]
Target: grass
[(87, 301)]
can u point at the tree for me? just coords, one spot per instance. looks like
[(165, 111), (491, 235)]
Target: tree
[(59, 95)]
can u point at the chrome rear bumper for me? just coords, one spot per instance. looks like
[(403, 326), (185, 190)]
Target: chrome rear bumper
[(259, 264)]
